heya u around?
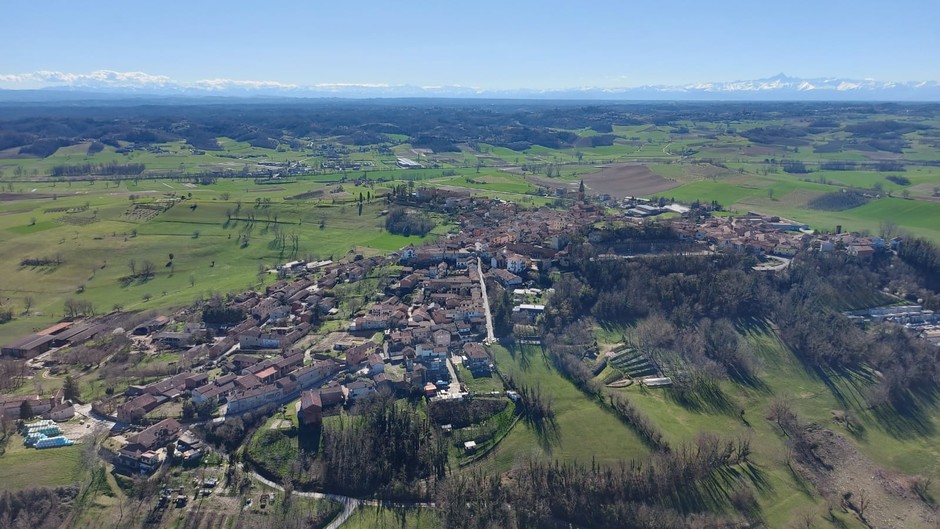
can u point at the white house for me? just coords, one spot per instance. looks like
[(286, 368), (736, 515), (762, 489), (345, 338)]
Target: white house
[(359, 388), (516, 263), (254, 398)]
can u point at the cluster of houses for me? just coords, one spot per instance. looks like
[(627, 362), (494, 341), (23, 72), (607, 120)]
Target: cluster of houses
[(641, 207), (771, 235), (144, 451), (53, 407), (924, 322)]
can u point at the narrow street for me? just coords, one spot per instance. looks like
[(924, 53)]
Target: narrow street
[(453, 390), (490, 337)]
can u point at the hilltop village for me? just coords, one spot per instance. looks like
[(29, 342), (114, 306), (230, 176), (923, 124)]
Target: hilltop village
[(258, 350)]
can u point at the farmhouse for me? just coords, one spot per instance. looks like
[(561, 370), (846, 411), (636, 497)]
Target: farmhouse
[(311, 408), (253, 398), (150, 326), (307, 377), (256, 339), (10, 405), (214, 392), (506, 278), (136, 408), (62, 412), (331, 395), (863, 251), (176, 340), (158, 435), (139, 454)]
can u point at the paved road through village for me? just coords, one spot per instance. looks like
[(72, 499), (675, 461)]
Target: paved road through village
[(490, 337)]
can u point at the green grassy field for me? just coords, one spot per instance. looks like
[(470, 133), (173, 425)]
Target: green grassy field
[(93, 230), (789, 197), (96, 245), (583, 430), (712, 161), (22, 467), (380, 518)]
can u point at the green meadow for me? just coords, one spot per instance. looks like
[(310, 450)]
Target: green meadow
[(24, 468), (582, 431), (92, 232)]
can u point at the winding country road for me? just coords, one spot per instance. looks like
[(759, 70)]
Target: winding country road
[(349, 504)]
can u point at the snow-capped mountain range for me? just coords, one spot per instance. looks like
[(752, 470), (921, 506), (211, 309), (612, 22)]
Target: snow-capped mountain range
[(46, 85)]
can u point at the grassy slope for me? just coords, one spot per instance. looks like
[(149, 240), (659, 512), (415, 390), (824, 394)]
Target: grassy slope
[(585, 431), (96, 255), (782, 375), (22, 467)]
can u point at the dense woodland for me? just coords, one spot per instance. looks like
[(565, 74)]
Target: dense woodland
[(404, 222), (385, 447), (698, 305), (40, 508)]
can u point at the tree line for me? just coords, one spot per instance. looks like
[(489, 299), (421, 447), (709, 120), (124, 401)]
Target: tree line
[(103, 169), (675, 489)]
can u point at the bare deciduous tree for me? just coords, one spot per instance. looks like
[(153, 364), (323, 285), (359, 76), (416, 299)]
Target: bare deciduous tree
[(888, 229), (781, 412), (146, 269)]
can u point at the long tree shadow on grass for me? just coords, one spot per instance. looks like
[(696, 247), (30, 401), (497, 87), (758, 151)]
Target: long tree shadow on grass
[(757, 476), (752, 325), (855, 384), (701, 396), (727, 477), (749, 379), (907, 416), (544, 425), (521, 355)]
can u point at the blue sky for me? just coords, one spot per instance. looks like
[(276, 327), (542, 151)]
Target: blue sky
[(487, 44)]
